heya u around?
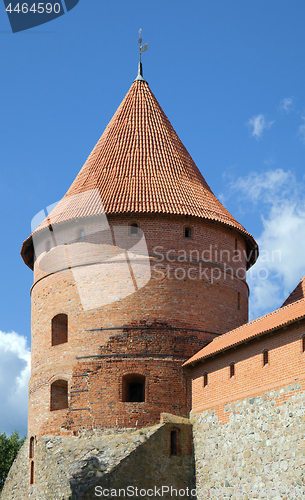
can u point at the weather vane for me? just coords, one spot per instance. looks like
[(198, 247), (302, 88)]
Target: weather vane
[(142, 48)]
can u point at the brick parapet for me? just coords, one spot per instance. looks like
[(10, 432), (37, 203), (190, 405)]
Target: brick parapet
[(286, 363)]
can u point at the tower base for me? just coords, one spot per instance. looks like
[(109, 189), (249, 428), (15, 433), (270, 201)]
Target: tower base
[(106, 464)]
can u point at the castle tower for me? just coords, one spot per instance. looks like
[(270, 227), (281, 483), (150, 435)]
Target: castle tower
[(137, 268)]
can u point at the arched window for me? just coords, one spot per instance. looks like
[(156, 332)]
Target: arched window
[(32, 450), (133, 388), (59, 329), (32, 472), (187, 232), (232, 370), (265, 357), (59, 395), (134, 229), (174, 442), (205, 379), (81, 235)]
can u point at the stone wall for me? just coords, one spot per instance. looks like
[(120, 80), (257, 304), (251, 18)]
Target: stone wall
[(253, 447), (71, 468)]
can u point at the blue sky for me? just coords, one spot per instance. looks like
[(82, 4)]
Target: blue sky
[(230, 77)]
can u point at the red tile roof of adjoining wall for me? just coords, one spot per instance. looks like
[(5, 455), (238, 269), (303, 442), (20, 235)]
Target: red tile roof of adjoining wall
[(272, 321), (297, 294), (139, 165)]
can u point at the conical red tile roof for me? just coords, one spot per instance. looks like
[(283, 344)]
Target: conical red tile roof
[(140, 165)]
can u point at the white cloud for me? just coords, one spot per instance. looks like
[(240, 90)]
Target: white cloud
[(279, 200), (286, 104), (302, 131), (269, 161), (15, 363), (259, 123), (264, 186)]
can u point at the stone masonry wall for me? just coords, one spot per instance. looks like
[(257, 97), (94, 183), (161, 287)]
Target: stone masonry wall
[(253, 447), (70, 467)]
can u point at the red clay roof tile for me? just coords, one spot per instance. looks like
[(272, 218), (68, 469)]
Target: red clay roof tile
[(140, 165), (297, 294), (140, 145)]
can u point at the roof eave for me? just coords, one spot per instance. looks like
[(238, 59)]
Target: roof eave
[(27, 252), (232, 346)]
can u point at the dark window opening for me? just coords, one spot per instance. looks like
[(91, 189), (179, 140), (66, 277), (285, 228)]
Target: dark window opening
[(232, 370), (31, 453), (32, 473), (265, 357), (133, 388), (174, 442), (303, 343), (81, 235), (59, 395), (205, 379), (236, 243), (134, 229), (187, 232), (136, 392), (59, 329)]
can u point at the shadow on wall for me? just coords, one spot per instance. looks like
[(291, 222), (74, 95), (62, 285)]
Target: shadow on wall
[(164, 459)]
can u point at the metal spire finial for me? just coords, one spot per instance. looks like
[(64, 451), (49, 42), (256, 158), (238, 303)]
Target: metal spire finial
[(142, 48), (139, 42)]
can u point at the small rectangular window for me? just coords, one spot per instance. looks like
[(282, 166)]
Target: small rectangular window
[(232, 370), (303, 343), (134, 229), (174, 438), (187, 232), (265, 357), (81, 235), (32, 472), (31, 453), (205, 380)]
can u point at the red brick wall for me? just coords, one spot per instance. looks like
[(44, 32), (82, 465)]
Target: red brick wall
[(286, 365), (175, 309)]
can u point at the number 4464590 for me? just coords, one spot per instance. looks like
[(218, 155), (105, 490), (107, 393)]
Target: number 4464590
[(24, 8)]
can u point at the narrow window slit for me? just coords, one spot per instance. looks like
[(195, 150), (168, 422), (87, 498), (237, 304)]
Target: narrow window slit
[(187, 232), (174, 442), (265, 357)]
